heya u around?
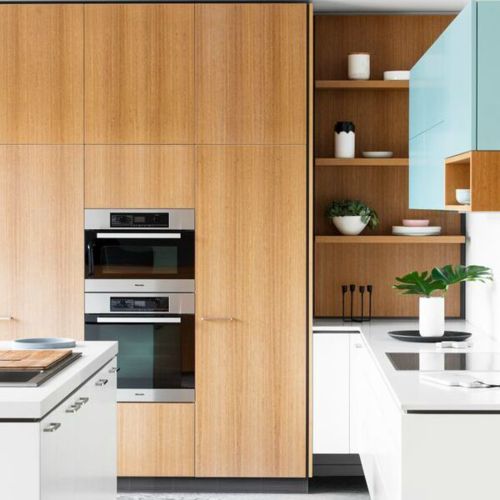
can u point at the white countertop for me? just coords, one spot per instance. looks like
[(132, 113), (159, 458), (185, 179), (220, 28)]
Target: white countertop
[(35, 402), (409, 392)]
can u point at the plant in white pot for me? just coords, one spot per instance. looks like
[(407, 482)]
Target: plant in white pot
[(350, 217), (432, 287)]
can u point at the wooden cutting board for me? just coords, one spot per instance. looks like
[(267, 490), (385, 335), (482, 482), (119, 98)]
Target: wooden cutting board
[(31, 359)]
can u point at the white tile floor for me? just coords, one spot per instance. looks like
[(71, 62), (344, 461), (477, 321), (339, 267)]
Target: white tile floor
[(324, 489)]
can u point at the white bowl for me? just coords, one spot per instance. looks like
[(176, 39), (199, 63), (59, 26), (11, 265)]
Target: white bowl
[(463, 196), (377, 154), (396, 75), (416, 231), (350, 225)]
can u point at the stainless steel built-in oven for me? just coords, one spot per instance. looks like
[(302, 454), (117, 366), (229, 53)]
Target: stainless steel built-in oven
[(139, 250), (155, 334)]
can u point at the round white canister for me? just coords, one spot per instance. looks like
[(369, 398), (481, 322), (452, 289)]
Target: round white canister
[(358, 66)]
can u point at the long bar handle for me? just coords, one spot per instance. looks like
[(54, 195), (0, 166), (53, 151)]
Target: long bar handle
[(121, 319), (229, 318), (148, 236), (6, 318)]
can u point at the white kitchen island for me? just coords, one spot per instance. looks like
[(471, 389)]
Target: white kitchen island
[(417, 440), (58, 441)]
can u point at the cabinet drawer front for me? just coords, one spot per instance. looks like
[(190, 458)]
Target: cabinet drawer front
[(155, 439)]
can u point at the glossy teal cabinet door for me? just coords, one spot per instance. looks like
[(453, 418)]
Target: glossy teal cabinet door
[(426, 170), (488, 75), (459, 97), (427, 91)]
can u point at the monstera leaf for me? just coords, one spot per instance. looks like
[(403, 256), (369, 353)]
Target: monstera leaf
[(440, 278), (419, 284), (451, 275)]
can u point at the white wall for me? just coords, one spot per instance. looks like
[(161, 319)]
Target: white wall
[(483, 248)]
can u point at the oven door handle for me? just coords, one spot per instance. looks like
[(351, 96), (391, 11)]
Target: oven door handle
[(90, 256), (146, 236), (124, 319)]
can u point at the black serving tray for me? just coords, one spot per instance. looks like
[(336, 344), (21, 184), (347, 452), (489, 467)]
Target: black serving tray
[(414, 336)]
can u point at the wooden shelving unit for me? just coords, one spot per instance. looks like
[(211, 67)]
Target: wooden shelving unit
[(379, 110), (361, 162), (362, 84), (391, 239)]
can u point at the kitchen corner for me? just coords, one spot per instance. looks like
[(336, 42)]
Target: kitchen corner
[(413, 435)]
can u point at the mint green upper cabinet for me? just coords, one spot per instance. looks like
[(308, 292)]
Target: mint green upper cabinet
[(488, 76), (454, 99)]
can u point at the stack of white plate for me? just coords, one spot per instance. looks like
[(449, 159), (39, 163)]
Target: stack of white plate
[(416, 231)]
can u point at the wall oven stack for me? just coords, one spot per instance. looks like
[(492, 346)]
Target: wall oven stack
[(139, 290)]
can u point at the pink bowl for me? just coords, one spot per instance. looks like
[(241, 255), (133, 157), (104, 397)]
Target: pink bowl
[(415, 222)]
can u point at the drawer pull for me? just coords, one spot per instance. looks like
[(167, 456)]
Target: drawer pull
[(114, 369), (101, 382), (82, 401), (52, 427), (73, 408)]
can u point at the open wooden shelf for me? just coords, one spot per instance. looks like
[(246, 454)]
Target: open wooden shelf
[(363, 84), (361, 162), (391, 239), (458, 208), (478, 171)]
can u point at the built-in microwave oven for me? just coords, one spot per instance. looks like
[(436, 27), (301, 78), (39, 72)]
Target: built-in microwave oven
[(156, 342), (139, 250)]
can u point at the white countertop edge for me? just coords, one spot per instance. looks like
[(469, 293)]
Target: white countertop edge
[(408, 392), (34, 403)]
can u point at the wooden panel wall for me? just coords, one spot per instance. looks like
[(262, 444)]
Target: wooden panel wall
[(381, 119)]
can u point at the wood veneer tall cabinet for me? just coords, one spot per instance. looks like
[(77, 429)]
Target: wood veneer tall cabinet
[(139, 73), (251, 321), (251, 63), (41, 234), (41, 74)]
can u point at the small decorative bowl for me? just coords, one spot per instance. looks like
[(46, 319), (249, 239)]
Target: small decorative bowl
[(463, 196), (416, 222)]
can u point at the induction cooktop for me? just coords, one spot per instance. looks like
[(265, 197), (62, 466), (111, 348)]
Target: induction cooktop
[(437, 361)]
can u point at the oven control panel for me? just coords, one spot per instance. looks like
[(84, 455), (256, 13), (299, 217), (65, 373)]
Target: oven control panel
[(135, 304), (138, 219)]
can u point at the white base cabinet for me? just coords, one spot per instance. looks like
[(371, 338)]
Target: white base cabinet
[(332, 406), (70, 453), (420, 456)]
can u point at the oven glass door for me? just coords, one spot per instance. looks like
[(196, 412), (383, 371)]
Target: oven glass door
[(112, 254), (153, 352)]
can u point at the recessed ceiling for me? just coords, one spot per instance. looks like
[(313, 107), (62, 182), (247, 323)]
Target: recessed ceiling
[(388, 5)]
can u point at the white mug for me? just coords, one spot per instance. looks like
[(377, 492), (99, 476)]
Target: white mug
[(358, 66)]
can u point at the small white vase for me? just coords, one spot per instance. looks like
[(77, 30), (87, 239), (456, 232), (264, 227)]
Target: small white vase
[(350, 225), (431, 316)]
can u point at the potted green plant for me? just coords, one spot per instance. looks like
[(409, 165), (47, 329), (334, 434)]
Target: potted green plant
[(432, 286), (350, 217)]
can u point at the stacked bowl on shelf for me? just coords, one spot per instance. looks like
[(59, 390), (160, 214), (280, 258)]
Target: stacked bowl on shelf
[(416, 227)]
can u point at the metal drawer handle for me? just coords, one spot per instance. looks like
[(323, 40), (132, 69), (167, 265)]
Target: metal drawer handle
[(101, 382), (358, 346), (82, 401), (114, 369), (74, 408), (229, 318), (52, 427), (6, 318)]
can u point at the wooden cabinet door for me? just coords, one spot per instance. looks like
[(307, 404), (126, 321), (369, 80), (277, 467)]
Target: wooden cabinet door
[(41, 74), (139, 73), (251, 73), (41, 251), (139, 176), (251, 311), (156, 439)]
